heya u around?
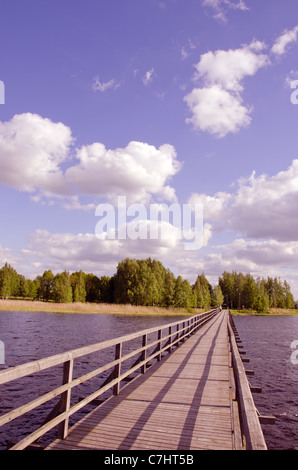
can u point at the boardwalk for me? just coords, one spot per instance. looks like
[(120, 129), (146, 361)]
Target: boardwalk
[(191, 392), (183, 402)]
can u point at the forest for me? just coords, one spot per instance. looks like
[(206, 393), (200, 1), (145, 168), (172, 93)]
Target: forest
[(147, 282)]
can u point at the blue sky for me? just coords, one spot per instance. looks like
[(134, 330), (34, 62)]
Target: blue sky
[(160, 101)]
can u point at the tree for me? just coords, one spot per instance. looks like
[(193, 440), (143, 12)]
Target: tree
[(125, 282), (105, 289), (202, 292), (32, 289), (24, 287), (289, 298), (250, 291), (62, 291), (227, 284), (183, 294), (46, 285), (9, 281), (168, 298), (139, 282), (92, 287), (217, 297), (77, 281)]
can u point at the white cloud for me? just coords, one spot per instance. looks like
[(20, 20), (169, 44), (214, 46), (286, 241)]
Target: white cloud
[(97, 85), (264, 207), (228, 68), (6, 256), (214, 206), (32, 150), (217, 106), (37, 156), (137, 171), (148, 77), (217, 111), (293, 75), (264, 253), (99, 256), (281, 44), (220, 7)]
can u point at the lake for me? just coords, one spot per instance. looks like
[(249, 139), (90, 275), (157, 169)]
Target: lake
[(267, 342), (29, 336), (32, 335)]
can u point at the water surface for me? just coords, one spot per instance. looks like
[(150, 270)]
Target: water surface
[(267, 342), (29, 336), (33, 335)]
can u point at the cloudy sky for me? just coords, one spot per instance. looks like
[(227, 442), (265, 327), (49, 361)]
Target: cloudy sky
[(161, 101)]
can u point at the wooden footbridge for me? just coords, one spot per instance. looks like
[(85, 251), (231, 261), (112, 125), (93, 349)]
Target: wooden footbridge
[(190, 392)]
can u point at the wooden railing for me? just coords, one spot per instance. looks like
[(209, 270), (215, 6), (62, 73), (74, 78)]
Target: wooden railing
[(165, 337), (249, 419)]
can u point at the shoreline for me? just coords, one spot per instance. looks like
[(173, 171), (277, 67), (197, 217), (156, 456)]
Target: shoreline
[(272, 312), (10, 305), (17, 305)]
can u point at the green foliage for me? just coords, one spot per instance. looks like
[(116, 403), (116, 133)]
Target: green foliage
[(202, 292), (245, 292), (62, 290), (46, 283), (147, 282), (92, 286), (78, 280), (217, 297), (141, 282), (105, 289), (9, 282)]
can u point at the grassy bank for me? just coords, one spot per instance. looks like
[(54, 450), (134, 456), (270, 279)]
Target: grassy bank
[(37, 306), (271, 312)]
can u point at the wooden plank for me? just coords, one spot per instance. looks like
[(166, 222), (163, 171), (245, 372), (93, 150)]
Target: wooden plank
[(253, 432), (183, 402)]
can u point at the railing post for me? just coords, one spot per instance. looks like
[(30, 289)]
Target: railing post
[(159, 345), (183, 331), (117, 370), (65, 398), (170, 339), (144, 353)]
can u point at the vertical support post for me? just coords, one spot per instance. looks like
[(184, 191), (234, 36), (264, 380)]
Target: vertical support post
[(191, 326), (117, 369), (170, 339), (159, 345), (144, 353), (65, 398)]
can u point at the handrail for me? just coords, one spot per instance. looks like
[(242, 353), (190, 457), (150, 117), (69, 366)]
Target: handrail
[(163, 343), (249, 420)]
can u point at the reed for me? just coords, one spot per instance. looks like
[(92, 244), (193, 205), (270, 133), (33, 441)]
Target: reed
[(11, 305)]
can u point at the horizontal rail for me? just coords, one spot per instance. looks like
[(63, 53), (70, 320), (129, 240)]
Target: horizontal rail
[(168, 336), (249, 420)]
